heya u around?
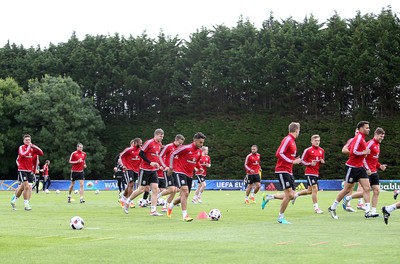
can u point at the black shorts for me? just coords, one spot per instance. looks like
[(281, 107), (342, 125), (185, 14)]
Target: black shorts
[(162, 183), (286, 180), (147, 177), (374, 179), (119, 175), (200, 178), (354, 174), (170, 180), (312, 180), (75, 176), (130, 176), (253, 178), (24, 176), (183, 180)]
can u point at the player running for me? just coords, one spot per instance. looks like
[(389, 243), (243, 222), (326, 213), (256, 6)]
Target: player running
[(78, 162), (148, 171), (286, 157), (130, 160), (312, 158), (252, 166), (165, 157), (183, 162), (205, 162), (371, 164), (26, 162), (355, 170)]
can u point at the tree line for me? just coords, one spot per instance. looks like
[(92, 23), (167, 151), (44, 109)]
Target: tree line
[(341, 69)]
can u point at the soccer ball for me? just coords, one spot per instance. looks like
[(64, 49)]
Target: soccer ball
[(142, 202), (76, 191), (57, 191), (160, 202), (77, 223), (96, 192), (47, 191), (214, 214)]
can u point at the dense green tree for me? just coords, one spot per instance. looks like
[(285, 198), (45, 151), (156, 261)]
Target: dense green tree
[(10, 135), (58, 117)]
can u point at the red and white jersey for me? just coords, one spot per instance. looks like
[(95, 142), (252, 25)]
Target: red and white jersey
[(356, 156), (371, 161), (204, 161), (45, 169), (252, 162), (151, 148), (130, 158), (286, 153), (311, 154), (188, 158), (26, 160), (75, 156), (165, 154)]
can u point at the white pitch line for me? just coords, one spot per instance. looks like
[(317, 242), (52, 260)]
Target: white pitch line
[(102, 238), (75, 237), (46, 236)]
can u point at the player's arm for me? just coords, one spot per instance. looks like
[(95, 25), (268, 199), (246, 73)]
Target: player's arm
[(37, 150), (144, 157), (72, 160)]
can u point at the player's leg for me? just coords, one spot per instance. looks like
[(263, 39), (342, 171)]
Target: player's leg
[(81, 190), (201, 189), (366, 194)]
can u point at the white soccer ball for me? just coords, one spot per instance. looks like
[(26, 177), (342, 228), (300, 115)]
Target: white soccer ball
[(342, 184), (96, 192), (160, 202), (57, 191), (142, 202), (77, 223), (76, 191), (214, 214), (47, 191)]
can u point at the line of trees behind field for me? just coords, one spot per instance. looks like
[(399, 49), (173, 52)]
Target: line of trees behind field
[(333, 72)]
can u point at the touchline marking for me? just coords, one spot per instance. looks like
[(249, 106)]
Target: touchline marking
[(46, 236), (102, 238), (75, 237)]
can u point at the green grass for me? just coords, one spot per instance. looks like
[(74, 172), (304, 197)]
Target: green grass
[(245, 233)]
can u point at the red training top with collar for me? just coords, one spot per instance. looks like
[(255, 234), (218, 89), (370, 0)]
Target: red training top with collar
[(371, 161), (310, 154), (151, 148), (130, 158), (286, 153), (165, 154), (252, 162), (75, 156), (356, 156), (204, 161), (26, 157), (45, 169), (188, 158)]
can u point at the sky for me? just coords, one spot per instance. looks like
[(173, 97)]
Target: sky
[(40, 22)]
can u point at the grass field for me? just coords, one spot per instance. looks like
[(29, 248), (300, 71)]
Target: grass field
[(245, 233)]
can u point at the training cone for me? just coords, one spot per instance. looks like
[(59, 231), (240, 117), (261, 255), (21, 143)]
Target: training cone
[(202, 215)]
